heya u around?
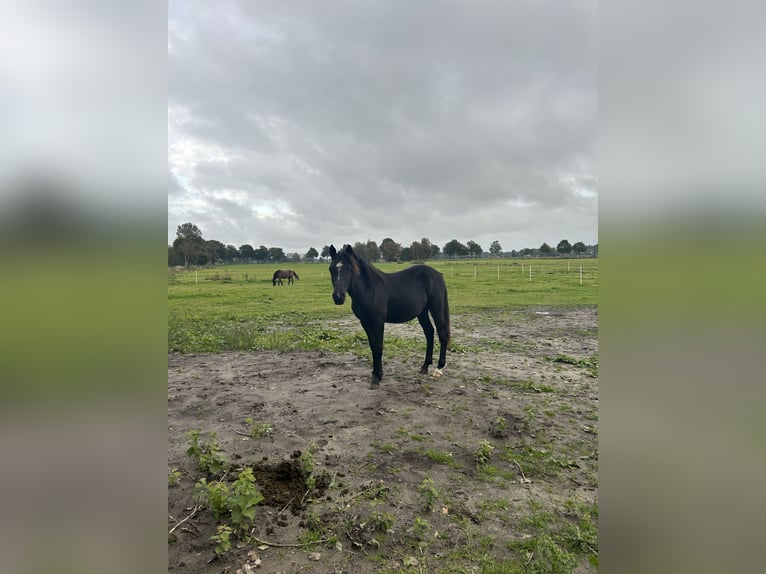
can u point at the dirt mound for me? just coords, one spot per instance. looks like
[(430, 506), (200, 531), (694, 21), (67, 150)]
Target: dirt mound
[(496, 460)]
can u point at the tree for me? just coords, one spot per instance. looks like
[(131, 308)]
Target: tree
[(246, 252), (312, 254), (579, 248), (546, 249), (474, 248), (216, 251), (276, 254), (262, 253), (174, 258), (190, 245), (390, 249), (188, 231), (454, 248), (373, 251), (495, 248), (417, 252), (325, 251), (564, 247), (295, 257), (368, 251), (406, 254), (231, 253)]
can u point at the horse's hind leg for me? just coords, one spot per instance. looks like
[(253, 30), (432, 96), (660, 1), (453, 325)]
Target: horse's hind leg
[(428, 330), (443, 331), (441, 318)]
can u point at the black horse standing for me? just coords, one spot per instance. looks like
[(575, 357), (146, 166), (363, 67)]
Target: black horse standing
[(280, 274), (378, 298)]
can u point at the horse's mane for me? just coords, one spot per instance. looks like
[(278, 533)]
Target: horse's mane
[(367, 271)]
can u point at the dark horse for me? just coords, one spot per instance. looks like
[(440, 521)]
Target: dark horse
[(378, 298), (280, 274)]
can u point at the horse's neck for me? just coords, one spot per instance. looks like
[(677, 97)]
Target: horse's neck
[(366, 281)]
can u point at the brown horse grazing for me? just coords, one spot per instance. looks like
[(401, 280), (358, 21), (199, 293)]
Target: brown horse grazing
[(378, 298), (280, 274)]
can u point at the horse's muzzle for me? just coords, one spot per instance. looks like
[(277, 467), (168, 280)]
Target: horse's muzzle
[(339, 298)]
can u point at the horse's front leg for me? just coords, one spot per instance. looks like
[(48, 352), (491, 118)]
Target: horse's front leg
[(375, 338)]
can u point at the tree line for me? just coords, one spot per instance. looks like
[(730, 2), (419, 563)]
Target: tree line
[(190, 248)]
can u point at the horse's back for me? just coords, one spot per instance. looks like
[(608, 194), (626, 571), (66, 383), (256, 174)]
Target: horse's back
[(412, 290)]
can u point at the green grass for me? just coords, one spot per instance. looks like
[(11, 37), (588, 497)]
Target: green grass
[(237, 308)]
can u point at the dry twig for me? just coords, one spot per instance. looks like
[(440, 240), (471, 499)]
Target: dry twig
[(193, 512), (279, 545)]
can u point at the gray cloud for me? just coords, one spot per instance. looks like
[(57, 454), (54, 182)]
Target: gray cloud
[(302, 124)]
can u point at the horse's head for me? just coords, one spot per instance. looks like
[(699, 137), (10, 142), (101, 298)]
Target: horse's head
[(343, 267)]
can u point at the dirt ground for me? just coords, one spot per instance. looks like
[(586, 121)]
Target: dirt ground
[(524, 381)]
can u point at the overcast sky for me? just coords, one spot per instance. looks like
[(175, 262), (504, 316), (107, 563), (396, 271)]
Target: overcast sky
[(300, 124)]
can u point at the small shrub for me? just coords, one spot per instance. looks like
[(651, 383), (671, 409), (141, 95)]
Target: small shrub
[(243, 500), (209, 456), (223, 538), (307, 467), (214, 494), (238, 503)]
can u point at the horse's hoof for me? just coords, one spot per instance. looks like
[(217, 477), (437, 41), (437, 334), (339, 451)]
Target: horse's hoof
[(374, 385), (438, 373)]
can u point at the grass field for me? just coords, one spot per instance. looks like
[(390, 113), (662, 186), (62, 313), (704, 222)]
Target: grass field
[(238, 308)]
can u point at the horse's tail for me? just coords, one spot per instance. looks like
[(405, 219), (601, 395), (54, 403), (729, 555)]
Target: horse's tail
[(446, 316)]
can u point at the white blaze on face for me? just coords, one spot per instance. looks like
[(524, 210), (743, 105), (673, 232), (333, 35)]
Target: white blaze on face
[(339, 266)]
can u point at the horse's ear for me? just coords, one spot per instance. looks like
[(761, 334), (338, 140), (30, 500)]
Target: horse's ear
[(349, 251), (333, 253)]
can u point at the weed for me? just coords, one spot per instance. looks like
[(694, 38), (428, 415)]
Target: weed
[(498, 427), (529, 418), (531, 387), (533, 462), (590, 363), (542, 555), (441, 458), (258, 430), (388, 448), (484, 453), (316, 530), (487, 507), (173, 476), (381, 521), (420, 527), (428, 493)]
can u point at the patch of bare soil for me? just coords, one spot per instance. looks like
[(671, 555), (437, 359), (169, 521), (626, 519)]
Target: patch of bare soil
[(395, 484)]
